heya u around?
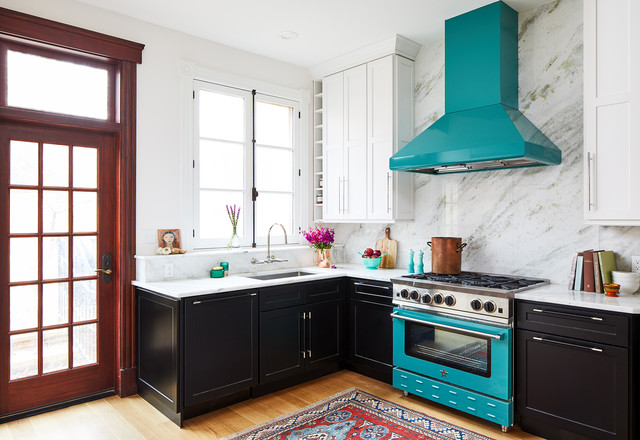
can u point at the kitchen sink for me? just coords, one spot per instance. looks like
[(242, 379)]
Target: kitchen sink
[(275, 276)]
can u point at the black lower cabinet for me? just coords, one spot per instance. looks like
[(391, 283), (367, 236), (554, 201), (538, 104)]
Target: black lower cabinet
[(220, 346), (198, 353), (301, 333), (370, 328), (573, 372)]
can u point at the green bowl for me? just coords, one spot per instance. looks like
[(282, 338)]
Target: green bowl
[(371, 263)]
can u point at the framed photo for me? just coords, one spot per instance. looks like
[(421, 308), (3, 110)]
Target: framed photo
[(169, 238)]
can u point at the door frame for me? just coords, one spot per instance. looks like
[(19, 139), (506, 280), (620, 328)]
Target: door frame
[(125, 55)]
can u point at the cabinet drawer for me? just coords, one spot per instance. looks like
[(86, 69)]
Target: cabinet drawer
[(574, 322), (498, 411), (278, 297), (368, 290), (323, 290)]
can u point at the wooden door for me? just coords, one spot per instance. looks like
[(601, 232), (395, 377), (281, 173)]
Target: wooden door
[(281, 343), (57, 323)]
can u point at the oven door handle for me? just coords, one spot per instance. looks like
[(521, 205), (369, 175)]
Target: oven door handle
[(449, 327)]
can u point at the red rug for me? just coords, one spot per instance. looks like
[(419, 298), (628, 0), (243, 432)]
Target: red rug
[(356, 415)]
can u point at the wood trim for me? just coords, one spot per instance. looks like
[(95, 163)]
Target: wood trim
[(57, 120), (126, 230), (18, 24)]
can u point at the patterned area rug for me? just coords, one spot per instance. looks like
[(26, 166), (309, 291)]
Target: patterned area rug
[(356, 415)]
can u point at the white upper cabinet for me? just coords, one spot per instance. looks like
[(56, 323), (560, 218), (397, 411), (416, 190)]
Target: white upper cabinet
[(611, 109), (368, 116)]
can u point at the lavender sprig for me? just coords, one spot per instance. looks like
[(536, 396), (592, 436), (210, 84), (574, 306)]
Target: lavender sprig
[(234, 214)]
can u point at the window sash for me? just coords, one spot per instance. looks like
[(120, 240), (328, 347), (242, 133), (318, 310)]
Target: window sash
[(248, 208)]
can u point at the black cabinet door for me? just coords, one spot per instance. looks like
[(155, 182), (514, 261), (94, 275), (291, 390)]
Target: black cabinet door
[(325, 333), (577, 386), (220, 345), (281, 343), (371, 331)]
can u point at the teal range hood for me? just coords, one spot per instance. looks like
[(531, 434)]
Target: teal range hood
[(482, 127)]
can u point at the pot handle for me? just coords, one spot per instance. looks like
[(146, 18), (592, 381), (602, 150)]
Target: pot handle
[(429, 243), (459, 248)]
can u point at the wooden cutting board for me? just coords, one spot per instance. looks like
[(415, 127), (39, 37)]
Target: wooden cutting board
[(389, 247)]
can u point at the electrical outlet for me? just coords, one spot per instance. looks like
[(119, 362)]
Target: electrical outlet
[(168, 270), (635, 264)]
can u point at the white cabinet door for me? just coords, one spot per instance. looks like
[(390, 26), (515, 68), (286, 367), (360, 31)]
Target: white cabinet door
[(611, 109), (355, 143), (333, 102), (380, 142)]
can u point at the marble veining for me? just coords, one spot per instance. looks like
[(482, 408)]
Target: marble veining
[(526, 221)]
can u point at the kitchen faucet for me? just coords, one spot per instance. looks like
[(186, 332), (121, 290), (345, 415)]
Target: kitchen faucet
[(270, 258)]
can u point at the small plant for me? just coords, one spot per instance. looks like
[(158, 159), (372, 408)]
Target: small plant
[(320, 237)]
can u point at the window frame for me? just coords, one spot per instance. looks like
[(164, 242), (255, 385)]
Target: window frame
[(302, 214)]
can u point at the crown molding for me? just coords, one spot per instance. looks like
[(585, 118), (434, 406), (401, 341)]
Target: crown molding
[(397, 44)]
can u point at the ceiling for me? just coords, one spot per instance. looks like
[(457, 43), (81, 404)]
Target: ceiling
[(326, 28)]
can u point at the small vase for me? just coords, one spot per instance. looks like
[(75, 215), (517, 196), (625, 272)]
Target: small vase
[(324, 257), (234, 241)]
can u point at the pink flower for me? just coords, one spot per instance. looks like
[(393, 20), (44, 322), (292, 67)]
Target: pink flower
[(320, 237)]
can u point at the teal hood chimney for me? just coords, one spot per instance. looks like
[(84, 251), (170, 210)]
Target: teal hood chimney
[(482, 127)]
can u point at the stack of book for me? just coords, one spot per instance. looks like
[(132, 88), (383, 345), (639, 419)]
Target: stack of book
[(591, 269)]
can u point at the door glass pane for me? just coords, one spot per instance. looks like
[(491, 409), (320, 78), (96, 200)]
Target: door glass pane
[(55, 257), (84, 300), (55, 165), (24, 163), (221, 116), (274, 208), (55, 303), (85, 214), (55, 211), (214, 221), (85, 339), (23, 307), (55, 350), (23, 259), (52, 85), (23, 211), (84, 256), (24, 355), (85, 167), (274, 125), (221, 165), (446, 347), (274, 169)]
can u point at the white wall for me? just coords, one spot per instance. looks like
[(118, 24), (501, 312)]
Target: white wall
[(160, 178)]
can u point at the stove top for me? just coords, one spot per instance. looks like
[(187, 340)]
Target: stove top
[(476, 279)]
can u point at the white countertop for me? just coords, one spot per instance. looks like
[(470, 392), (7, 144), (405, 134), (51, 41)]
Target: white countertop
[(202, 286), (559, 294), (552, 293)]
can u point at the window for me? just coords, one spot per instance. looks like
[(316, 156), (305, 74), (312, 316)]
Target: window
[(227, 165)]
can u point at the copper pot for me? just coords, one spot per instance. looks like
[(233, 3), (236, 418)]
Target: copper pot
[(446, 255)]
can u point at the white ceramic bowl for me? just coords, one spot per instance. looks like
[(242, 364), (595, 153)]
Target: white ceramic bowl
[(629, 281)]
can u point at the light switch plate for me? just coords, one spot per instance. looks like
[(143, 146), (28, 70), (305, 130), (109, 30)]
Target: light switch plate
[(635, 264)]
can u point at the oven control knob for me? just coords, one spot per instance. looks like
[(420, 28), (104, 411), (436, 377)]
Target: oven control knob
[(404, 293), (476, 304), (449, 300), (438, 298), (415, 295), (489, 307), (426, 298)]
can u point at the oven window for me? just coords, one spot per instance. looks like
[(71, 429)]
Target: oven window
[(448, 348)]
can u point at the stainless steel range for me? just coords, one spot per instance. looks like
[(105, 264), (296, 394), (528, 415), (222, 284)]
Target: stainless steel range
[(453, 340)]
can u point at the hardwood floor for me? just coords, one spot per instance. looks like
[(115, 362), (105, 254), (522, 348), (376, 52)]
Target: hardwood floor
[(133, 418)]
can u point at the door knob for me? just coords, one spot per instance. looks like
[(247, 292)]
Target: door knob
[(108, 271)]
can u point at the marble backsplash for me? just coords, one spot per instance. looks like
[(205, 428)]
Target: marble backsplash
[(525, 221)]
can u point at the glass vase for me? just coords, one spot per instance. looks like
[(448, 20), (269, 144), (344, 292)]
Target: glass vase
[(324, 257), (234, 241)]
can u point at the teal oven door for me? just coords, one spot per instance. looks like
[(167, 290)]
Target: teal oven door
[(468, 354)]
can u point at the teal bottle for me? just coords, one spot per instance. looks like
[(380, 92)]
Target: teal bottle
[(420, 263), (411, 261)]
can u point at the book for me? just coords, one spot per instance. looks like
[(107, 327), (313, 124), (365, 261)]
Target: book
[(572, 272), (597, 275), (588, 274), (607, 264), (579, 269)]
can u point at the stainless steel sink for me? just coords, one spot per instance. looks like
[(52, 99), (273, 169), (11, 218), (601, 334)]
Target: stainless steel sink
[(275, 276)]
